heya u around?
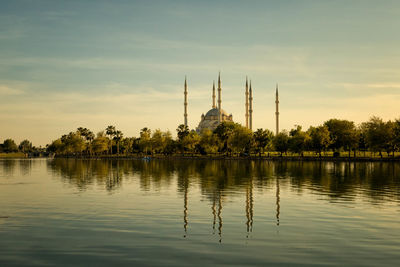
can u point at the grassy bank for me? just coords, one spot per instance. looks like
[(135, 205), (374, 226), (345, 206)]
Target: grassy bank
[(266, 156), (12, 155)]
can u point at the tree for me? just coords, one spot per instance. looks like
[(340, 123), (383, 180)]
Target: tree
[(160, 140), (380, 136), (25, 146), (223, 131), (281, 142), (100, 143), (343, 134), (9, 146), (56, 146), (208, 141), (320, 138), (145, 140), (182, 131), (190, 141), (298, 141), (396, 132), (73, 143), (110, 131), (88, 135), (262, 139), (117, 137), (240, 139)]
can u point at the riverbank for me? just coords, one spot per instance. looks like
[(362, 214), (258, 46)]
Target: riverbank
[(228, 157), (13, 155)]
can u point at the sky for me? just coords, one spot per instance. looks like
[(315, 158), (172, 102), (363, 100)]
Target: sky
[(70, 64)]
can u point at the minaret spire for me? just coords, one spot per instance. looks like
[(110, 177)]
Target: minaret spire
[(247, 104), (219, 98), (185, 103), (250, 108), (213, 96), (277, 109)]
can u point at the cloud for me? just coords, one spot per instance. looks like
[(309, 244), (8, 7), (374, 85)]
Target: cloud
[(5, 90)]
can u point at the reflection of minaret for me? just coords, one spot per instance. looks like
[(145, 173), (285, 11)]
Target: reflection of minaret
[(278, 207), (247, 104), (214, 213), (213, 96), (250, 108), (219, 98), (185, 104), (220, 217), (249, 208), (277, 109), (185, 209)]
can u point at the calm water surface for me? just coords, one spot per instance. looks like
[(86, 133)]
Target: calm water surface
[(131, 212)]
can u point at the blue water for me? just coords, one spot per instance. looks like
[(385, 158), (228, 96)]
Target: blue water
[(202, 212)]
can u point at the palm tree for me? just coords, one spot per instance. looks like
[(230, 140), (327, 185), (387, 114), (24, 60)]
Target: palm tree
[(117, 137), (110, 131)]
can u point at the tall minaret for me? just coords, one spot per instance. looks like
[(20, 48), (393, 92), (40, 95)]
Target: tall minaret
[(277, 110), (247, 104), (213, 96), (219, 98), (185, 104), (250, 108)]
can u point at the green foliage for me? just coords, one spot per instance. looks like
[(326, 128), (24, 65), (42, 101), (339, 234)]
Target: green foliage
[(145, 143), (263, 140), (240, 139), (182, 131), (208, 142), (379, 135), (343, 134), (9, 146), (223, 131), (299, 140), (190, 141), (319, 138), (25, 146), (100, 144), (281, 142), (161, 140)]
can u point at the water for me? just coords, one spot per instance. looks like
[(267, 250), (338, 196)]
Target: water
[(133, 212)]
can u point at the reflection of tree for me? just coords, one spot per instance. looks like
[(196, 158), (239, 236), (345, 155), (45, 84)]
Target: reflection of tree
[(219, 179), (25, 166), (8, 166)]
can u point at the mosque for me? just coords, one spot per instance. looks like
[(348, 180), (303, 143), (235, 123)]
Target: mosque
[(216, 115)]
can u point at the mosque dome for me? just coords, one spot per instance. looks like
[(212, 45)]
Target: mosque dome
[(214, 113), (210, 120)]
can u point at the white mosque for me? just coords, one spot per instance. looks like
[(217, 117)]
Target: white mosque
[(217, 115)]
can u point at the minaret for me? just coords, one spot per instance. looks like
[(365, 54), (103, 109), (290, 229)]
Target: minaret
[(213, 96), (250, 108), (277, 110), (219, 98), (185, 104), (247, 104)]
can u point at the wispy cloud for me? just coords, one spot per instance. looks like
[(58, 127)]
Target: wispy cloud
[(6, 90)]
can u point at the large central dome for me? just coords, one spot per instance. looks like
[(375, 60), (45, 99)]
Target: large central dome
[(214, 113), (210, 120)]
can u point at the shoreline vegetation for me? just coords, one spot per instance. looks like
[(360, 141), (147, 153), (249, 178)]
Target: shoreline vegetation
[(374, 140)]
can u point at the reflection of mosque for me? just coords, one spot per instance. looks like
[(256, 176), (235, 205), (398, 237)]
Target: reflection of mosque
[(217, 204), (217, 180)]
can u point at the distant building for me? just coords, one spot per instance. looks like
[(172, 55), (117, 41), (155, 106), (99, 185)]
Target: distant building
[(217, 115)]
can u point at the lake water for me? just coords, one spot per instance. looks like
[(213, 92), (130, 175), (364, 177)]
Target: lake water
[(198, 212)]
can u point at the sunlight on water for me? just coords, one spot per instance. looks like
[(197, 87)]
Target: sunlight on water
[(109, 212)]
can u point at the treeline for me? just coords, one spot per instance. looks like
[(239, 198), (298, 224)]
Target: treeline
[(9, 146), (232, 139)]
